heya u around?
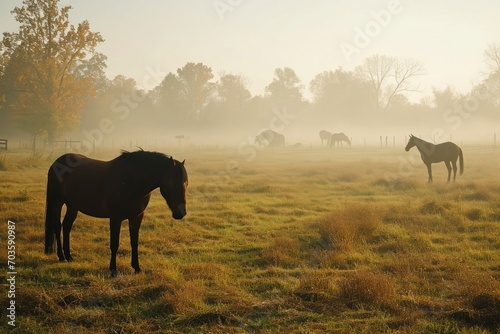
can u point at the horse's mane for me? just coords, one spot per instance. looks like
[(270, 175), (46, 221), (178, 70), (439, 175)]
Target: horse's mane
[(141, 156)]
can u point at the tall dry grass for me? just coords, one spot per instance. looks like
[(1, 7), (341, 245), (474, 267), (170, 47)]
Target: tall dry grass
[(350, 226), (368, 289)]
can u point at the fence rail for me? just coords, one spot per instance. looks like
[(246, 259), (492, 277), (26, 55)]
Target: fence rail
[(62, 143), (393, 141), (372, 141)]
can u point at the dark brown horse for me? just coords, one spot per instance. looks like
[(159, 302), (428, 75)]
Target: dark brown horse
[(447, 152), (118, 189)]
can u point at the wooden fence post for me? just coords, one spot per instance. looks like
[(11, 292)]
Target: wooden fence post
[(4, 144)]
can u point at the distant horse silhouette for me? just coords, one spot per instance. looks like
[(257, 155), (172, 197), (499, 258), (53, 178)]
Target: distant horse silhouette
[(118, 189), (339, 138), (325, 135), (270, 138), (430, 153)]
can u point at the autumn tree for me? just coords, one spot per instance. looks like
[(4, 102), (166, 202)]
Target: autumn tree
[(49, 68), (339, 92), (2, 64), (117, 99), (169, 104), (232, 91), (184, 95), (445, 99), (196, 87), (389, 77), (285, 90), (169, 96)]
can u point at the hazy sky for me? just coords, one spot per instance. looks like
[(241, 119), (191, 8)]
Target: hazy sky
[(254, 37)]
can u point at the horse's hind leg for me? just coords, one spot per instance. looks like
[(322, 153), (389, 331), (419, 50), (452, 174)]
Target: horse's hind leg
[(448, 166), (54, 228), (56, 221), (67, 224), (134, 225), (454, 163)]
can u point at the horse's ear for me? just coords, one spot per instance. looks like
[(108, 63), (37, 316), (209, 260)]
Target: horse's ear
[(183, 161)]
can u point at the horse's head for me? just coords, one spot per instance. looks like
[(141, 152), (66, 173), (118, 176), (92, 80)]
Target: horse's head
[(346, 139), (411, 143), (173, 186)]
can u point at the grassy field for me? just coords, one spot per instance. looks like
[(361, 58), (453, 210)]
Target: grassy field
[(292, 241)]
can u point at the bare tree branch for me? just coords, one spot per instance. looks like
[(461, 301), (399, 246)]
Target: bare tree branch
[(492, 57), (404, 70), (388, 76)]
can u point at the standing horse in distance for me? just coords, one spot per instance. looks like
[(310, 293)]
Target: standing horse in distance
[(118, 189), (447, 152), (339, 138), (325, 135), (270, 138)]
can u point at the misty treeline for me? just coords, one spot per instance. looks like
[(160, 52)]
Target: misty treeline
[(52, 83)]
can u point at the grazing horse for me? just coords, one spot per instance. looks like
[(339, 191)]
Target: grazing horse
[(339, 138), (118, 189), (325, 135), (430, 153), (270, 138)]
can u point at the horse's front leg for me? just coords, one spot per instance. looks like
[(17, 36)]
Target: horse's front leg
[(114, 243), (429, 170), (134, 225)]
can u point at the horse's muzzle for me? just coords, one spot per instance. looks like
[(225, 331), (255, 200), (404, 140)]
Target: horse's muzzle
[(181, 212)]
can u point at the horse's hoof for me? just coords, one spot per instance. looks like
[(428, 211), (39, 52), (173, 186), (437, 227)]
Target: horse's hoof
[(137, 271), (114, 273), (69, 259)]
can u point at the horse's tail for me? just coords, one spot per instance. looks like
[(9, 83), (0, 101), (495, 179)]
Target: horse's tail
[(461, 156)]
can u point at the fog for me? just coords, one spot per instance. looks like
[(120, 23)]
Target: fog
[(294, 67)]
